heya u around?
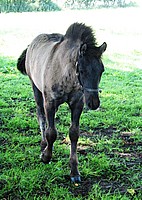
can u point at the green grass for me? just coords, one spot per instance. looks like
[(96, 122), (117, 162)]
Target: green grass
[(109, 148), (109, 162)]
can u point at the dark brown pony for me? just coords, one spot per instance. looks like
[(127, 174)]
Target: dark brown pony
[(63, 68)]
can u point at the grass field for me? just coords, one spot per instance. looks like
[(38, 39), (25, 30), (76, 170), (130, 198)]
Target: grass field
[(110, 144)]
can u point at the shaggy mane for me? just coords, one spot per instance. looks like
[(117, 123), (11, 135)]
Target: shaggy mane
[(84, 33)]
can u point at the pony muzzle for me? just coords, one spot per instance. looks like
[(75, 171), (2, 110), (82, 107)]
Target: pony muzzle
[(91, 100)]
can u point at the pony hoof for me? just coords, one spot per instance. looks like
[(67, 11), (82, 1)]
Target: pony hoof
[(45, 159), (75, 179)]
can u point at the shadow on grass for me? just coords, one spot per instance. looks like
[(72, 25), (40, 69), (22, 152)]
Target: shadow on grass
[(123, 164)]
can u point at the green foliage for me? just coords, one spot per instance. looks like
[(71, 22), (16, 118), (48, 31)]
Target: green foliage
[(28, 5), (48, 5)]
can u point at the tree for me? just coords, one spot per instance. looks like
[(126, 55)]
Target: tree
[(27, 5)]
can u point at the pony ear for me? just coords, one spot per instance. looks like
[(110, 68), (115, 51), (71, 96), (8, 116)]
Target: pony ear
[(83, 49), (103, 47)]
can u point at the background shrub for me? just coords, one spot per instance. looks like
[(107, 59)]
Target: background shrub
[(56, 5)]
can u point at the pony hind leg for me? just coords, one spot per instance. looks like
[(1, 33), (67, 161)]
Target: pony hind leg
[(76, 110), (40, 115), (51, 132)]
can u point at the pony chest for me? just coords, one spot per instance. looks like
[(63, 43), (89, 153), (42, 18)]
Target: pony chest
[(63, 87)]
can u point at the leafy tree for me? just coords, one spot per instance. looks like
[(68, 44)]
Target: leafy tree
[(27, 5), (48, 5)]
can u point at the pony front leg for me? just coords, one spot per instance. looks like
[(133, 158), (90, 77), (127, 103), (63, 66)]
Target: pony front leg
[(74, 135), (51, 134), (76, 110)]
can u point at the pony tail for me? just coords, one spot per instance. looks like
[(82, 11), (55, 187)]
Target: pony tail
[(21, 62)]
